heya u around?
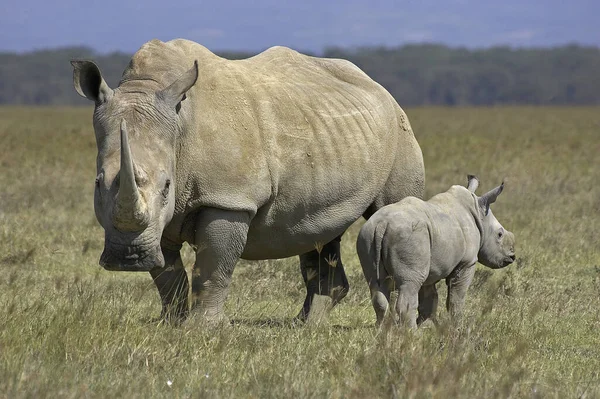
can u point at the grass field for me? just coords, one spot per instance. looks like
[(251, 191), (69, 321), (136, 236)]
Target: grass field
[(70, 329)]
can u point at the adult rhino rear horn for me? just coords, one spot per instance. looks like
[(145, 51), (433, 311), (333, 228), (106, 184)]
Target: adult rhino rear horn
[(130, 212)]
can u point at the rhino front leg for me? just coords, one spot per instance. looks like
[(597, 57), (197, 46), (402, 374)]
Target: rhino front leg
[(173, 286), (323, 274), (458, 283), (220, 240), (428, 302)]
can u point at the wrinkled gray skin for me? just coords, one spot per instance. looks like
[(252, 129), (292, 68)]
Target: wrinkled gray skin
[(413, 244), (256, 159)]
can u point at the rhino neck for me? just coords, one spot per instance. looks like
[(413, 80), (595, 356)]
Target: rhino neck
[(476, 214), (466, 201), (173, 232)]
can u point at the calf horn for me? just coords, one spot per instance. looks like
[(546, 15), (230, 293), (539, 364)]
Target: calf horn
[(130, 213)]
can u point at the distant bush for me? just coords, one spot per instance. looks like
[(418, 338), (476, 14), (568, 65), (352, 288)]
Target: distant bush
[(425, 74)]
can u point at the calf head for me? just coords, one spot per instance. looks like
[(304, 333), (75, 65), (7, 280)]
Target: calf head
[(136, 132), (497, 244)]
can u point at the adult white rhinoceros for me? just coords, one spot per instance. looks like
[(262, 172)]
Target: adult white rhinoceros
[(257, 158)]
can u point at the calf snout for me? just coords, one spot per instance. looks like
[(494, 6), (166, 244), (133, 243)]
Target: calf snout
[(510, 243), (509, 260)]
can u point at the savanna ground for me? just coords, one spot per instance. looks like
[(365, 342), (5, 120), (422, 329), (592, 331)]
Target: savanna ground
[(70, 329)]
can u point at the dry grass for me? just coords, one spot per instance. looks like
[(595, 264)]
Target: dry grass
[(70, 329)]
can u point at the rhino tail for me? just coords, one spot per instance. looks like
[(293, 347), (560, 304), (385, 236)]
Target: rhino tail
[(377, 242)]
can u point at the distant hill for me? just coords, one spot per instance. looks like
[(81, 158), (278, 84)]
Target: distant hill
[(415, 74)]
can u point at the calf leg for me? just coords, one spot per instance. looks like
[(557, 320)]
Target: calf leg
[(458, 282), (407, 303), (323, 274), (408, 257), (380, 298), (220, 239), (428, 302), (173, 287)]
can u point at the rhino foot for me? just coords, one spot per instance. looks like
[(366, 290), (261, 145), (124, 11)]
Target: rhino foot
[(323, 274)]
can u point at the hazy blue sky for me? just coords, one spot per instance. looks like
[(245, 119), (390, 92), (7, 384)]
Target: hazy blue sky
[(303, 24)]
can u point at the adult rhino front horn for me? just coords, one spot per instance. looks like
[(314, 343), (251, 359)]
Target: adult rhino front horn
[(130, 212)]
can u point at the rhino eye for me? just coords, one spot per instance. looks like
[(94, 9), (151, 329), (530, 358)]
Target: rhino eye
[(500, 234), (165, 191)]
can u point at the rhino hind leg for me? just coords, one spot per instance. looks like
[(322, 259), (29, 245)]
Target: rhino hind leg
[(173, 287), (428, 302), (323, 274), (220, 239), (408, 261), (407, 303), (380, 298)]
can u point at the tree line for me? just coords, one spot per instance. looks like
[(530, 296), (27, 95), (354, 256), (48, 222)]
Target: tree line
[(424, 74)]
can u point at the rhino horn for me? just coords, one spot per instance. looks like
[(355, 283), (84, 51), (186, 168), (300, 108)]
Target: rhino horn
[(130, 213), (127, 184)]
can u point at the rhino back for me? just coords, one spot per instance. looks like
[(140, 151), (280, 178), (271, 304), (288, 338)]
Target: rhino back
[(304, 143), (453, 237)]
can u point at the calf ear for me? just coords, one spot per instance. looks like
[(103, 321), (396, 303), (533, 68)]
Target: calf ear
[(489, 198), (89, 83), (175, 92), (472, 183)]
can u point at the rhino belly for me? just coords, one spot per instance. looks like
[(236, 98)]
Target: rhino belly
[(282, 229)]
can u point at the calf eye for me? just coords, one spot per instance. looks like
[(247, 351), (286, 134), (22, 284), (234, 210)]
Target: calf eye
[(500, 234)]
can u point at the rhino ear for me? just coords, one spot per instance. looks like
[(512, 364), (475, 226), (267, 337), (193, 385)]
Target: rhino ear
[(472, 183), (489, 198), (89, 83), (175, 92)]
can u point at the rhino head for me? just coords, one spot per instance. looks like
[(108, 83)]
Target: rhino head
[(136, 130), (497, 244)]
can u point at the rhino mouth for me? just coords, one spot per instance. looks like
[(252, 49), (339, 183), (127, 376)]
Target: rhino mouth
[(131, 258), (508, 260)]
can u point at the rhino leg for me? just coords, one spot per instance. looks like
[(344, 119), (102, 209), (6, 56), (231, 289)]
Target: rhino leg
[(220, 239), (380, 298), (407, 303), (173, 287), (428, 302), (458, 282), (323, 274)]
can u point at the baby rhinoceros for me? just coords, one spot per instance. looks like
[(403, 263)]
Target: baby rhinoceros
[(413, 244)]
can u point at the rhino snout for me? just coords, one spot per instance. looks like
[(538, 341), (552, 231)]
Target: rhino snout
[(131, 258), (509, 259), (510, 242)]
